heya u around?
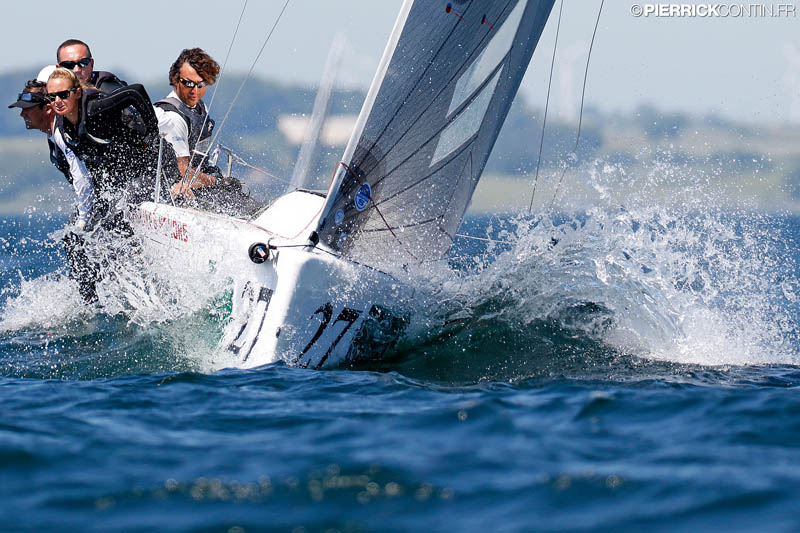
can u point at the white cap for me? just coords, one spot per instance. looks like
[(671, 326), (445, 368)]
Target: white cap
[(44, 74)]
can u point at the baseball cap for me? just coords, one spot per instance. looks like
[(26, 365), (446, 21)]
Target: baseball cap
[(27, 99), (44, 74)]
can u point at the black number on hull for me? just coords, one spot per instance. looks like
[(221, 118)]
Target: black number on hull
[(347, 315), (233, 347), (327, 313), (264, 295)]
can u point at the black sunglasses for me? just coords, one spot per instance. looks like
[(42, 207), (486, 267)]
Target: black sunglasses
[(69, 65), (35, 98), (189, 84), (51, 97)]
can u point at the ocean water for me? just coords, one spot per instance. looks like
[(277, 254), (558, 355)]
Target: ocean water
[(616, 367)]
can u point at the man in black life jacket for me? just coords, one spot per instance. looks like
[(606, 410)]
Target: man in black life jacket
[(184, 122), (75, 55)]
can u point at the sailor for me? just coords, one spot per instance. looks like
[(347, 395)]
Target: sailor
[(184, 120), (75, 55), (113, 134), (38, 114), (187, 127), (35, 110), (108, 143)]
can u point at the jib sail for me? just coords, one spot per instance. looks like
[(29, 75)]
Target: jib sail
[(432, 114)]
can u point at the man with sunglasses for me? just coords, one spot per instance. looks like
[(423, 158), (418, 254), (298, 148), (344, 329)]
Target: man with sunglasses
[(184, 120), (75, 55), (185, 124), (38, 114), (34, 108)]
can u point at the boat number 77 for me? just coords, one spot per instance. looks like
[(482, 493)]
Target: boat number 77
[(347, 315)]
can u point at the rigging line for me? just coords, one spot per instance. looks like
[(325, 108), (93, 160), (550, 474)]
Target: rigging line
[(583, 98), (451, 257), (219, 82), (241, 87), (546, 106), (238, 159), (484, 239)]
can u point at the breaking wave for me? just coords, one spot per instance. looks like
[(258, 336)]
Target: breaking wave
[(616, 287), (689, 282)]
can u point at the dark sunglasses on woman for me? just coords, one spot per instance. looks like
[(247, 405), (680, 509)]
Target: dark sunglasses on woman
[(69, 65), (189, 84), (51, 97)]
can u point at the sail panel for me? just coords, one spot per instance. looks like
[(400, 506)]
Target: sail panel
[(430, 120), (495, 51), (466, 124)]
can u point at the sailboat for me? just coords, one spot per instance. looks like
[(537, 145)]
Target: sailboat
[(320, 278)]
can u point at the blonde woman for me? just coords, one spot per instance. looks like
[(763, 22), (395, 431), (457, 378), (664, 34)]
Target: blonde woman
[(64, 92), (107, 140)]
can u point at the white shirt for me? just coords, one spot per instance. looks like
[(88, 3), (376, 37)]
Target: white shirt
[(174, 129), (82, 181)]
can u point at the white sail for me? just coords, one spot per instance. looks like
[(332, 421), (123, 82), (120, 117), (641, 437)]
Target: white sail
[(430, 120)]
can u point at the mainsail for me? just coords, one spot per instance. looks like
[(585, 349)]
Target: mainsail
[(442, 91)]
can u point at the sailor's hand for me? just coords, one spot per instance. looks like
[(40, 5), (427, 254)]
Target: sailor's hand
[(80, 226), (229, 183), (182, 189)]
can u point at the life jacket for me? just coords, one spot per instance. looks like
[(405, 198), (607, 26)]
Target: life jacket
[(200, 127), (116, 135), (106, 82), (58, 159)]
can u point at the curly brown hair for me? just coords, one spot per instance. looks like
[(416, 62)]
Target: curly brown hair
[(207, 68)]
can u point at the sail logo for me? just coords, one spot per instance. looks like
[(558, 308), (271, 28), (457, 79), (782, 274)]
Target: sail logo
[(362, 197)]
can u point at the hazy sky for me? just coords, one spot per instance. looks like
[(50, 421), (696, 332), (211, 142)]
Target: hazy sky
[(745, 67)]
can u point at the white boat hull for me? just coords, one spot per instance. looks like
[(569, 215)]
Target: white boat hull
[(302, 305)]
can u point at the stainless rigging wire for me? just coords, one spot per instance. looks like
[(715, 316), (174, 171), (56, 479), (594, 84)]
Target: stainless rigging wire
[(239, 160), (583, 98), (217, 85), (239, 92), (546, 107), (574, 151)]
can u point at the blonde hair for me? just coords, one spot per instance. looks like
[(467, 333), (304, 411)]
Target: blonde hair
[(65, 74)]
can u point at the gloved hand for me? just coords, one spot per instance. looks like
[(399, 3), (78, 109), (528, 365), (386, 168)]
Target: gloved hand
[(133, 120), (80, 226), (228, 183)]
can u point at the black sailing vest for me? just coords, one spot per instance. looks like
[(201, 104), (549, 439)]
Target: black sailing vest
[(58, 159), (200, 128)]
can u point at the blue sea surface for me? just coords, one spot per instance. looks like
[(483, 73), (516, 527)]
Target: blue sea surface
[(605, 371)]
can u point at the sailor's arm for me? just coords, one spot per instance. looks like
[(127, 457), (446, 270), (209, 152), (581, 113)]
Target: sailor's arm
[(202, 180)]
